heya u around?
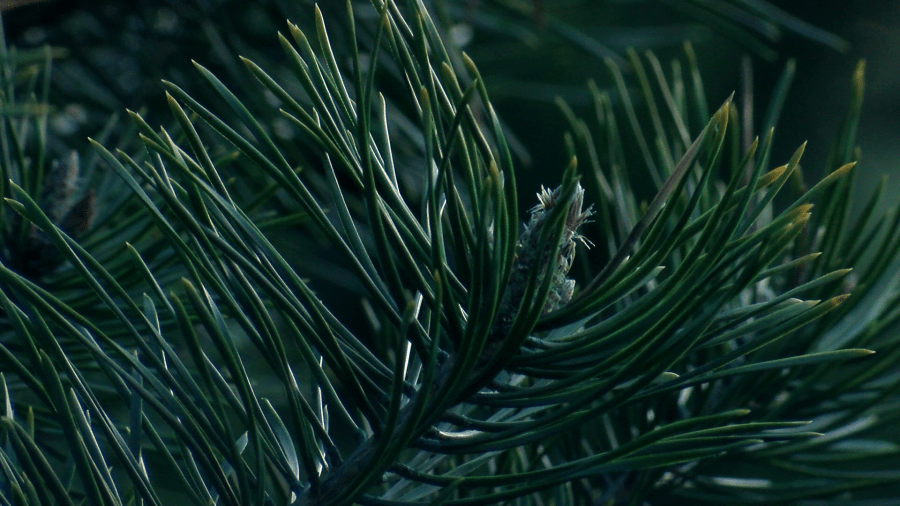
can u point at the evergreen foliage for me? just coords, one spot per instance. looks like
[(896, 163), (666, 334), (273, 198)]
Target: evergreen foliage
[(180, 321)]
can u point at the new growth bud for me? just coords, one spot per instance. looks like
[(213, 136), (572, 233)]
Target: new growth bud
[(61, 202), (530, 256)]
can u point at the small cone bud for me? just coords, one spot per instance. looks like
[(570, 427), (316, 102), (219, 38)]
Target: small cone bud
[(529, 257)]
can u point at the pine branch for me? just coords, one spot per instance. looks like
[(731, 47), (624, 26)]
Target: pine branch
[(717, 346)]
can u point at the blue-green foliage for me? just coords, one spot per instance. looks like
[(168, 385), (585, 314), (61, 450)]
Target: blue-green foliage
[(189, 346)]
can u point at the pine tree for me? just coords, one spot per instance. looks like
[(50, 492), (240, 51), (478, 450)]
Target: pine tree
[(319, 283)]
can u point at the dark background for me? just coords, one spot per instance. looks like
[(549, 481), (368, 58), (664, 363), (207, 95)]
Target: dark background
[(119, 51)]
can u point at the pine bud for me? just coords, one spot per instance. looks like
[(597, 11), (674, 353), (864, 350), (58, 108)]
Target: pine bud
[(60, 186), (529, 256), (37, 255), (79, 218)]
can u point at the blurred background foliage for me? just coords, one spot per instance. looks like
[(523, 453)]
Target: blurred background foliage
[(116, 52), (112, 55)]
